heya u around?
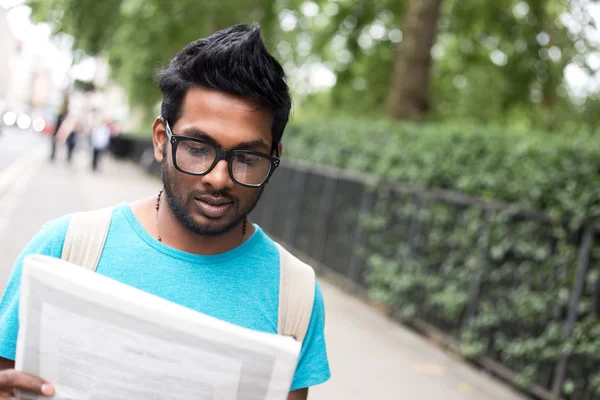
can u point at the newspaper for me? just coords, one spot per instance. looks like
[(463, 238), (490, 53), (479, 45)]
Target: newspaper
[(96, 338)]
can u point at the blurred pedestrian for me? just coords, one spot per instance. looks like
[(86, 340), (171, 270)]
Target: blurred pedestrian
[(59, 120), (71, 140), (100, 140)]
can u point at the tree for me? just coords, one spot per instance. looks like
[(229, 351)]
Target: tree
[(434, 59), (140, 36), (408, 96), (491, 61)]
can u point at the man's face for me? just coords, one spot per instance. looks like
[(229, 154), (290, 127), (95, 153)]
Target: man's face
[(213, 204)]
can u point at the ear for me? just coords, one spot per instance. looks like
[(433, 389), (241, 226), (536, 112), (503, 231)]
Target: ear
[(159, 136), (280, 149)]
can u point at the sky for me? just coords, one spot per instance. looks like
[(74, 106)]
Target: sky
[(37, 38)]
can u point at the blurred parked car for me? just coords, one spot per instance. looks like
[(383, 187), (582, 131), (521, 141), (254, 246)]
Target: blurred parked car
[(24, 118)]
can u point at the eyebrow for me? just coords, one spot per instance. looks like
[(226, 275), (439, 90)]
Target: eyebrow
[(250, 145)]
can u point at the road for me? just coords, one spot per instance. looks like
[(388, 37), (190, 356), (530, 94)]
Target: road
[(14, 142), (371, 357)]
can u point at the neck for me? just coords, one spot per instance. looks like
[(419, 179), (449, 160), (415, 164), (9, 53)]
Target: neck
[(174, 234)]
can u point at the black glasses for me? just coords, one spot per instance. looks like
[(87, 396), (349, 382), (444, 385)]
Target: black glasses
[(197, 157)]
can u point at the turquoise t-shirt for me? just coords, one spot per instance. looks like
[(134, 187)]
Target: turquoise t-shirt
[(240, 286)]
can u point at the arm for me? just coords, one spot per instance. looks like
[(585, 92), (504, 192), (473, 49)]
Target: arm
[(313, 364), (48, 241), (300, 394)]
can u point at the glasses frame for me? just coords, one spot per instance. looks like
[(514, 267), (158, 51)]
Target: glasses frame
[(221, 154)]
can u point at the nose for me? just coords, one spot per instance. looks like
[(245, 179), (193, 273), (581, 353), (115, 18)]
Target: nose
[(218, 178)]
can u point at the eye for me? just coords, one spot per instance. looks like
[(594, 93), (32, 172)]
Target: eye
[(197, 148), (249, 159)]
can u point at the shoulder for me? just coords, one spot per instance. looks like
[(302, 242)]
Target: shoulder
[(293, 260), (57, 224), (48, 241), (286, 255), (50, 237), (296, 275)]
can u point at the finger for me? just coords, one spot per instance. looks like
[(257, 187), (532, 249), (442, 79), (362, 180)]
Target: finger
[(19, 380), (9, 396), (17, 398)]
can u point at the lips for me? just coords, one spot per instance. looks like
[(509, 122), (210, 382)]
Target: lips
[(214, 207), (214, 201)]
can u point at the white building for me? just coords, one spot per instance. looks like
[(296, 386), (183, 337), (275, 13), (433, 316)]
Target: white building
[(31, 84), (27, 82), (8, 51)]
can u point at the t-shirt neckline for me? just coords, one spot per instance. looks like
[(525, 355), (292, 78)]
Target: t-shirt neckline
[(195, 258)]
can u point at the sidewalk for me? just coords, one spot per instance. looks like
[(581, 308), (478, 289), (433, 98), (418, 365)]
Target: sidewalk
[(371, 357), (33, 191)]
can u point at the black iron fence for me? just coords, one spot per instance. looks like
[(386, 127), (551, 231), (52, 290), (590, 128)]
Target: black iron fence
[(513, 287)]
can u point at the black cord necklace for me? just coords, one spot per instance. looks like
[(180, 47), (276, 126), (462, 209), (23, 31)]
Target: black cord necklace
[(158, 230)]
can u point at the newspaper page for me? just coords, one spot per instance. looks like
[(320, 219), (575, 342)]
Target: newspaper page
[(95, 338)]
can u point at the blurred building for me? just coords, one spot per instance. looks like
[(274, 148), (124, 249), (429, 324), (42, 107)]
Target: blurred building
[(8, 51), (31, 82), (27, 84)]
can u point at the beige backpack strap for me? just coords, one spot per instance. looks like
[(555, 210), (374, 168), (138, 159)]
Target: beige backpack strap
[(296, 295), (86, 236)]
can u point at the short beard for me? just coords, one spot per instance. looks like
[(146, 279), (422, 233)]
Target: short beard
[(179, 207)]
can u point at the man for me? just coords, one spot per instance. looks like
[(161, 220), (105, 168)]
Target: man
[(59, 120), (100, 139), (225, 107)]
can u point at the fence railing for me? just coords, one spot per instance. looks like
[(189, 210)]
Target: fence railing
[(324, 213)]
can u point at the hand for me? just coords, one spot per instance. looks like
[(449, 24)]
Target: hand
[(12, 380)]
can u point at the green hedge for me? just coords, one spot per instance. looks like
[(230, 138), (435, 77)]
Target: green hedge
[(426, 257), (554, 173)]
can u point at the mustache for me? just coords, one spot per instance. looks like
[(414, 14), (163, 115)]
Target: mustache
[(214, 194)]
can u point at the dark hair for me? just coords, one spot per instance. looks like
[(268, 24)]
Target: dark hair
[(234, 61)]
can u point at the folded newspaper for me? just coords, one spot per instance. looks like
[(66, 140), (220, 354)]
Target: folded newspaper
[(95, 338)]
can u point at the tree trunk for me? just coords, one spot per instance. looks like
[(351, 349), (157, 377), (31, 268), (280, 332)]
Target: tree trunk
[(408, 96)]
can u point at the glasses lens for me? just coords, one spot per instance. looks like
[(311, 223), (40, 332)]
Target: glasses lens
[(195, 157), (250, 169)]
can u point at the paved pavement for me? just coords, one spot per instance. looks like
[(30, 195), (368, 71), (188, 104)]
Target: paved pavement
[(14, 142), (371, 357)]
